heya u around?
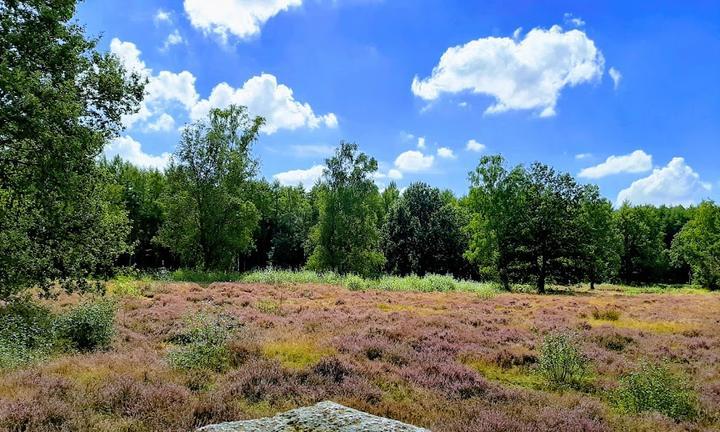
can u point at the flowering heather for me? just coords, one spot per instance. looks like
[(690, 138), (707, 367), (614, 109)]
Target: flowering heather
[(448, 361)]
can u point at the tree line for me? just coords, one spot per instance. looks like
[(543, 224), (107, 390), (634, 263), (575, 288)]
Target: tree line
[(67, 215), (521, 224)]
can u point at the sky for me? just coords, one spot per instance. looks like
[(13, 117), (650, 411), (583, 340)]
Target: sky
[(622, 94)]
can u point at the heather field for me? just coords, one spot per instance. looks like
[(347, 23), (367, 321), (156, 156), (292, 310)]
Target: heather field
[(188, 354)]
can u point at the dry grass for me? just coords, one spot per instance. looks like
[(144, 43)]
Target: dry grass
[(448, 361)]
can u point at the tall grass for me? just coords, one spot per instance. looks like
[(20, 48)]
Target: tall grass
[(427, 283)]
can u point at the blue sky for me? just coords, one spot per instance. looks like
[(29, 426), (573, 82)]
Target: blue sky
[(530, 80)]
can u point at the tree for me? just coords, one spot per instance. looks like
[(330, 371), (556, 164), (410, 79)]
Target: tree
[(61, 102), (601, 241), (643, 247), (424, 233), (140, 190), (389, 196), (524, 223), (551, 237), (292, 221), (495, 203), (698, 244), (209, 217), (346, 237)]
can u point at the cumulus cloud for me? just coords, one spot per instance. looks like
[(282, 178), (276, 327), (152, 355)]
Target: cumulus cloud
[(570, 19), (635, 162), (675, 184), (173, 38), (474, 146), (616, 77), (164, 123), (241, 18), (162, 16), (264, 96), (520, 74), (445, 153), (581, 156), (130, 150), (306, 177), (395, 174), (414, 161), (421, 143), (163, 88)]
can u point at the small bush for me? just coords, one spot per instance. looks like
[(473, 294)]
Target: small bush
[(561, 362), (88, 326), (613, 341), (269, 307), (204, 345), (26, 332), (354, 283), (606, 314), (655, 388)]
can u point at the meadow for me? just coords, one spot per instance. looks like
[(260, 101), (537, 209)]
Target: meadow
[(434, 352)]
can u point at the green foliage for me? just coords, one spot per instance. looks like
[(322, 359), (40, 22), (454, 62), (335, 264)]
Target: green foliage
[(601, 241), (606, 314), (643, 248), (203, 345), (209, 217), (61, 102), (88, 326), (525, 223), (655, 388), (698, 244), (26, 332), (418, 219), (561, 361), (346, 237), (291, 221), (140, 190)]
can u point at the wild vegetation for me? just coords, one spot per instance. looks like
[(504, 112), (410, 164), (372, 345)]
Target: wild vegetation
[(231, 297)]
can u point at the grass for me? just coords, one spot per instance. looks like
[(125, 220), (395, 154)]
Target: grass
[(296, 354), (516, 375), (666, 327)]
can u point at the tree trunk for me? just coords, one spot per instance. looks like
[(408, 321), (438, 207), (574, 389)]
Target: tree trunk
[(592, 284), (541, 277)]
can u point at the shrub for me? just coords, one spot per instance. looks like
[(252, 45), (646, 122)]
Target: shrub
[(607, 314), (354, 283), (655, 388), (88, 326), (561, 362), (26, 332), (204, 345)]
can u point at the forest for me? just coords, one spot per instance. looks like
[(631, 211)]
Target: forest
[(94, 334)]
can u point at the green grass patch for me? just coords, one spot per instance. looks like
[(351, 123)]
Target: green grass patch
[(516, 375), (296, 354)]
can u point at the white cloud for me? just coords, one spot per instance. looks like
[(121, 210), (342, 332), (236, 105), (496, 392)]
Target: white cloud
[(581, 156), (241, 18), (445, 153), (616, 77), (162, 16), (674, 184), (395, 174), (164, 123), (307, 177), (173, 38), (635, 162), (421, 143), (573, 20), (130, 150), (406, 136), (474, 146), (413, 161), (523, 74), (264, 96)]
